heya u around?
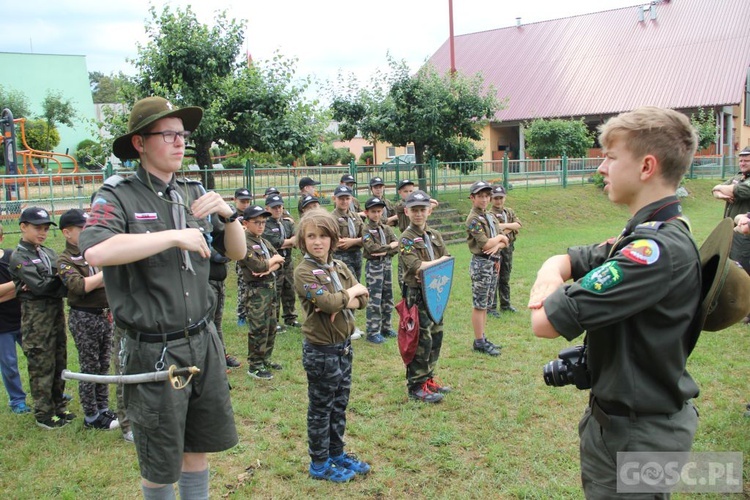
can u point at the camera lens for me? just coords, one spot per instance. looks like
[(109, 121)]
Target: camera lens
[(556, 373)]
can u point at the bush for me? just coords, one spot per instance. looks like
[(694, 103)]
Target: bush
[(36, 135), (366, 158), (553, 138)]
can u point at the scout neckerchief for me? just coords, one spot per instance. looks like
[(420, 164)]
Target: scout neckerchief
[(180, 222), (45, 259), (263, 247), (350, 223), (427, 242), (382, 235), (491, 222), (337, 287)]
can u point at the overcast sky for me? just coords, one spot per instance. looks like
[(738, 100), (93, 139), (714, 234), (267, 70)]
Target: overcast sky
[(327, 36)]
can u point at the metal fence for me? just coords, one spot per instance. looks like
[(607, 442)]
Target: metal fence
[(58, 192)]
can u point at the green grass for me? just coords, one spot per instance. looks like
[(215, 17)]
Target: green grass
[(501, 434)]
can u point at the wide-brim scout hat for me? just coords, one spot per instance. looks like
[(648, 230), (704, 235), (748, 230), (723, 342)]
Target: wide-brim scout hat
[(726, 283), (147, 111)]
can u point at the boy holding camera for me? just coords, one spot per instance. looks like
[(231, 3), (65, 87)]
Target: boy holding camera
[(636, 298)]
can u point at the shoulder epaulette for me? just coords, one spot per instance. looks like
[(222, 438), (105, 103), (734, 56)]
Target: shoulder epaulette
[(113, 181), (185, 180), (649, 226)]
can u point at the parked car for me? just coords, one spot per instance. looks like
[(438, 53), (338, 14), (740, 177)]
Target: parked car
[(402, 162)]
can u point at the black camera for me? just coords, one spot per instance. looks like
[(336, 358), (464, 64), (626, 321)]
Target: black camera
[(570, 368)]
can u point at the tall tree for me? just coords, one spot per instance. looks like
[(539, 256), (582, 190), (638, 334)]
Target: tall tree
[(266, 110), (440, 114), (107, 89), (189, 63), (56, 110)]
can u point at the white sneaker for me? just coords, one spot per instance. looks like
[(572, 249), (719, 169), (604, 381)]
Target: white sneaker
[(128, 436), (357, 334)]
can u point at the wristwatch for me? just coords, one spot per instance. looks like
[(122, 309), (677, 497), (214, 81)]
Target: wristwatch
[(231, 218)]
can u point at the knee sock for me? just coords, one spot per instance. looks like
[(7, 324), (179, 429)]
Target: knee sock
[(164, 492), (194, 485)]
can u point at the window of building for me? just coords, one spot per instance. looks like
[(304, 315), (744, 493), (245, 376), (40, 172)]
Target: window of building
[(410, 150), (390, 151)]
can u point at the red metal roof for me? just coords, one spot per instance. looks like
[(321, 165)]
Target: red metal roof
[(696, 53)]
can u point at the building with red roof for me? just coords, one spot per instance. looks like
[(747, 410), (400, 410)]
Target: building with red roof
[(679, 54)]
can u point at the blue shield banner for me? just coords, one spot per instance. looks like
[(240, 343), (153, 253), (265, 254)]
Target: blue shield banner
[(436, 288)]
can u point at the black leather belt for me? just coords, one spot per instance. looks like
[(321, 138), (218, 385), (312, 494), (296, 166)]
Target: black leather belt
[(491, 258), (602, 410), (91, 310), (341, 349), (154, 338)]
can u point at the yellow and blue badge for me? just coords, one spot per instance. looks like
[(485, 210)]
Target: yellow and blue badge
[(603, 277), (644, 252)]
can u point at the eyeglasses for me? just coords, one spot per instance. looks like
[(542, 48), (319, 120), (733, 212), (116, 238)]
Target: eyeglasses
[(258, 222), (170, 136)]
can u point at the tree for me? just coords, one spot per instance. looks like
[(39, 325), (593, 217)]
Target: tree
[(553, 138), (107, 88), (265, 110), (40, 136), (439, 114), (56, 110), (192, 64), (705, 123), (15, 100)]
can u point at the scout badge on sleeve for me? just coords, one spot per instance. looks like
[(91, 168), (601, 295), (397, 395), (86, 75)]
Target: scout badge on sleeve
[(408, 330), (436, 288)]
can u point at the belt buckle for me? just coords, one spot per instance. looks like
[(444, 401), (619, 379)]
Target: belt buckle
[(346, 350)]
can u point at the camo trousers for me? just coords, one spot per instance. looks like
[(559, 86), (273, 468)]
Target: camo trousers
[(45, 347), (117, 359), (285, 293), (93, 337), (329, 382), (261, 321), (425, 359), (219, 289), (241, 294), (380, 285), (353, 260), (483, 274), (503, 281)]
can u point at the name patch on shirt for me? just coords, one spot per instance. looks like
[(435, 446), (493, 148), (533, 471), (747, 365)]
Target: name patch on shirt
[(603, 277), (644, 252), (318, 272), (146, 216)]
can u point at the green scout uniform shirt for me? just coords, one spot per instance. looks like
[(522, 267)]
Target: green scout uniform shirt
[(155, 294), (507, 216), (342, 220), (403, 220), (27, 268), (371, 240), (276, 232), (478, 231), (255, 261), (412, 252), (637, 307), (741, 192), (388, 210), (318, 298), (73, 269)]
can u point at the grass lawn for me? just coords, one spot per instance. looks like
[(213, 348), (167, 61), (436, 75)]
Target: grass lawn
[(502, 433)]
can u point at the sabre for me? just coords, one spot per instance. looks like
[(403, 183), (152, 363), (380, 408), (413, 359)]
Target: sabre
[(174, 375)]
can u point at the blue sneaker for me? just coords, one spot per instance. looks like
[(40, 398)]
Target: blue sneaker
[(331, 472), (375, 339), (350, 462), (389, 334), (242, 322), (20, 408)]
